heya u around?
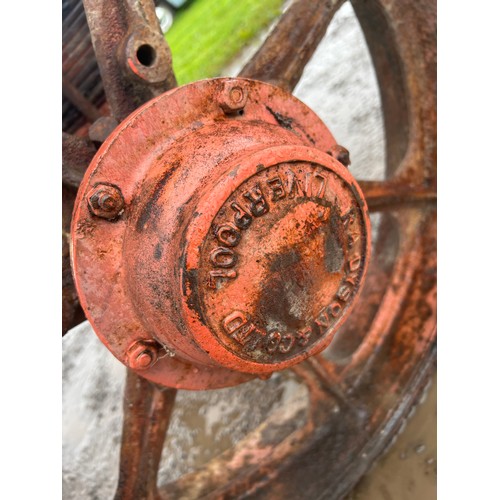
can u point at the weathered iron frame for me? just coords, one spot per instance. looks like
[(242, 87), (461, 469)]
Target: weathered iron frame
[(357, 406)]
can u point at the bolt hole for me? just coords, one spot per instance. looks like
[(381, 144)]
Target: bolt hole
[(146, 55)]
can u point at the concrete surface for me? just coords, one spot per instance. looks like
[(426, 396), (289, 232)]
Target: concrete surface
[(340, 85)]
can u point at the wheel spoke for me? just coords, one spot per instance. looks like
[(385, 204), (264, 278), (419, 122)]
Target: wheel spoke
[(324, 374), (147, 410), (134, 59), (391, 194), (282, 57)]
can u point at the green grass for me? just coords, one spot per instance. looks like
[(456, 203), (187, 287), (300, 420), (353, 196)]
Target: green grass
[(208, 34)]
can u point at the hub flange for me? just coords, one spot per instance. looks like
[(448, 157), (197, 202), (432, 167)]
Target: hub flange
[(242, 242)]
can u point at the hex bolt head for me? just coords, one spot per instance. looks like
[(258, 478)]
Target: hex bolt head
[(341, 154), (142, 354), (106, 201), (233, 96)]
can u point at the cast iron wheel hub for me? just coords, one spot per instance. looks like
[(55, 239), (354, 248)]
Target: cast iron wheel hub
[(217, 237)]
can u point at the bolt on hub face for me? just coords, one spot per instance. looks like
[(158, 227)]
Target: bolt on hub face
[(242, 242)]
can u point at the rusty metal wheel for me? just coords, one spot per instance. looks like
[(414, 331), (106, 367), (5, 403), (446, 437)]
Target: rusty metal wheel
[(362, 387)]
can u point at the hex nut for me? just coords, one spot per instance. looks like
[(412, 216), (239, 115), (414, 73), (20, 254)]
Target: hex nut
[(341, 154), (142, 354), (106, 201), (233, 96)]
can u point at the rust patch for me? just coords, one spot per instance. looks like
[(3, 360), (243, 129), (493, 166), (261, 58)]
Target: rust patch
[(150, 206), (283, 121)]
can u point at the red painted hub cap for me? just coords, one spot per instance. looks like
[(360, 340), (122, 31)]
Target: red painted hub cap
[(216, 237)]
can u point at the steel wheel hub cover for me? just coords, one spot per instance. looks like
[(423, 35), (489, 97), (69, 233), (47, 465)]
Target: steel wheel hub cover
[(216, 237)]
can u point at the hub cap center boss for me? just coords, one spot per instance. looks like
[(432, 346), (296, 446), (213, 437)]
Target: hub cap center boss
[(230, 240)]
